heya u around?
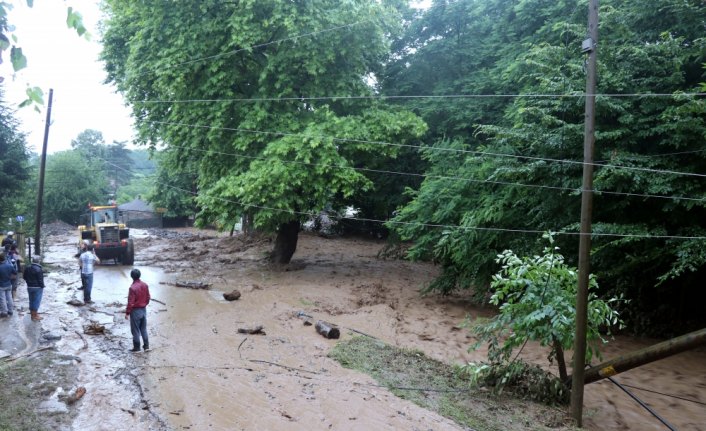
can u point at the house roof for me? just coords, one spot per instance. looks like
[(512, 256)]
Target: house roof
[(136, 205)]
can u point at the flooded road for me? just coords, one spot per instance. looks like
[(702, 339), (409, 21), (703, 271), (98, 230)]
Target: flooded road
[(203, 375)]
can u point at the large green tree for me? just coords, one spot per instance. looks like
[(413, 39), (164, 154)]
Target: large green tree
[(71, 183), (176, 193), (14, 160), (269, 98), (648, 56), (113, 160)]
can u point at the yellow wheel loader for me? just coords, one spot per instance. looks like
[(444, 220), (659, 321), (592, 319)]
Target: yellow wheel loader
[(110, 238)]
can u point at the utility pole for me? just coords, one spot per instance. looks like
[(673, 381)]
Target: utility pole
[(577, 382), (40, 192)]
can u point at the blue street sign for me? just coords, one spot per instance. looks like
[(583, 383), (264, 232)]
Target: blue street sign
[(20, 219)]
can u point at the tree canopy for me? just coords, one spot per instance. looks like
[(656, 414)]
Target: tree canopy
[(72, 182), (508, 166), (14, 162), (269, 100)]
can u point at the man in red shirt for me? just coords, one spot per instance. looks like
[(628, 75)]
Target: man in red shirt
[(137, 299)]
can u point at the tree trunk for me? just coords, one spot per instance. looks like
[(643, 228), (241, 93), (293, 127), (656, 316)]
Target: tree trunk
[(559, 352), (286, 242), (247, 224)]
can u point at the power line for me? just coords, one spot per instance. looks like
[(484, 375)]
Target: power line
[(430, 225), (423, 96), (443, 177), (419, 147)]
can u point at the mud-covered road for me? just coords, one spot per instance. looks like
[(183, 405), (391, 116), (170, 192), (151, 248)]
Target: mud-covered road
[(201, 374)]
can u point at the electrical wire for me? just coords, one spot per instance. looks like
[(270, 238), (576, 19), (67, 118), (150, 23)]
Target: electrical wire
[(664, 394), (452, 150), (643, 405), (419, 96), (432, 225), (445, 177)]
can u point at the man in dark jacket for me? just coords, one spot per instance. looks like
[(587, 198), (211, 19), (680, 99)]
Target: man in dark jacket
[(137, 299), (34, 277), (8, 241), (7, 273)]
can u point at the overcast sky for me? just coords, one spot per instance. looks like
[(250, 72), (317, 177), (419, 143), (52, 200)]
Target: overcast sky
[(58, 58)]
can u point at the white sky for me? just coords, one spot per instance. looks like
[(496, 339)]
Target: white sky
[(58, 58)]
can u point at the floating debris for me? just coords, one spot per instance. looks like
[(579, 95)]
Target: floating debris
[(94, 328)]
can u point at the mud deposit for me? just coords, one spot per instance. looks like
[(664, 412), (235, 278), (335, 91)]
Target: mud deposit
[(202, 374)]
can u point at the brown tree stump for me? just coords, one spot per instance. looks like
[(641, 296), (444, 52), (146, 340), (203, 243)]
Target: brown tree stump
[(326, 329)]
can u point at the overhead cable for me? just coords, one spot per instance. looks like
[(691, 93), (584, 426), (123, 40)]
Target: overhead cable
[(421, 96), (434, 225), (452, 150), (445, 177)]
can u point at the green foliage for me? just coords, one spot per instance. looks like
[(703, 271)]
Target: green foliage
[(17, 57), (113, 160), (536, 296), (270, 146), (75, 20), (536, 300), (71, 183), (14, 162), (534, 50), (175, 185), (138, 187)]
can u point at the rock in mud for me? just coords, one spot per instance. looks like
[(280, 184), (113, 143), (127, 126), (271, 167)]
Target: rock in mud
[(232, 296)]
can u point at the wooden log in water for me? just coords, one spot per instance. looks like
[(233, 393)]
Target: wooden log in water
[(326, 329), (259, 329)]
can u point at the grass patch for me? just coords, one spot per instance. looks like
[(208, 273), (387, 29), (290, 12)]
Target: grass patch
[(437, 386), (29, 381)]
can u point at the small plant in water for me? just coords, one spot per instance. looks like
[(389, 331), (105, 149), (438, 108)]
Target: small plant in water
[(536, 297)]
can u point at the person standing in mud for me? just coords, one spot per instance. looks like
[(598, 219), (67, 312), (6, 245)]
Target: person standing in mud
[(84, 246), (86, 261), (34, 277), (14, 257), (7, 274), (137, 299)]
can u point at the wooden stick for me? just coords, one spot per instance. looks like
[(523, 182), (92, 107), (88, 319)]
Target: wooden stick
[(85, 343), (28, 354)]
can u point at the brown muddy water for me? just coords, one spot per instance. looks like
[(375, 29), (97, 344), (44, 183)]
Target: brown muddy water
[(204, 375)]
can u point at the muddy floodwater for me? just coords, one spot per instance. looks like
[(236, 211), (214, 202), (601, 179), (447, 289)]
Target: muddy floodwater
[(202, 374)]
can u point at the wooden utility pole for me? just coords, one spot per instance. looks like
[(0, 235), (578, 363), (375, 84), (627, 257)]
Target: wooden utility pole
[(644, 356), (589, 46), (40, 192)]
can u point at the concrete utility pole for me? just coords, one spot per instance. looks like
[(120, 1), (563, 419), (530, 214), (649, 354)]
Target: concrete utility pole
[(40, 192), (589, 46)]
